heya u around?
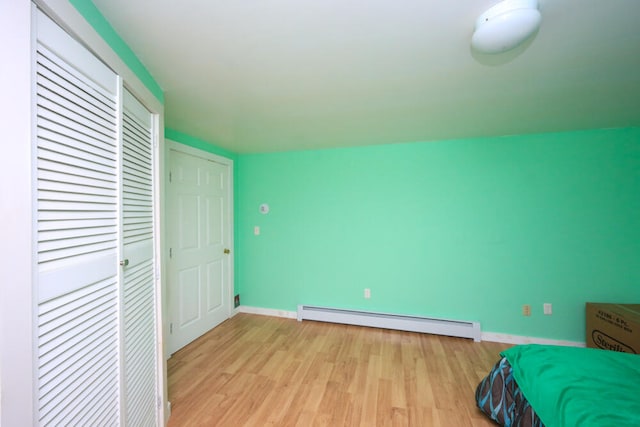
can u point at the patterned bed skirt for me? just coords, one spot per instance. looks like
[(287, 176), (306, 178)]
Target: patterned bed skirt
[(499, 396)]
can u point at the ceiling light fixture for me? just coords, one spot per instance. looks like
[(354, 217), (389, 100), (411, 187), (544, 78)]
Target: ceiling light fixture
[(506, 25)]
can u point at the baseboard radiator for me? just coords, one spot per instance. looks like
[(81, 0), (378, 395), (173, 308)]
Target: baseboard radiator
[(427, 325)]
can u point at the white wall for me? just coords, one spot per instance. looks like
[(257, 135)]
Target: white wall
[(16, 350)]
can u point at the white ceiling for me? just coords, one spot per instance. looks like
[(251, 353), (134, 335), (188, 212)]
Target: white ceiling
[(272, 75)]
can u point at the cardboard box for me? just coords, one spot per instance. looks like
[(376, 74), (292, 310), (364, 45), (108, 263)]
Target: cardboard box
[(614, 327)]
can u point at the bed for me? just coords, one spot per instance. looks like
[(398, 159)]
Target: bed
[(553, 386)]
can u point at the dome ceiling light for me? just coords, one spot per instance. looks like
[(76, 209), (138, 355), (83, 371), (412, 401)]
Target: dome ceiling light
[(506, 25)]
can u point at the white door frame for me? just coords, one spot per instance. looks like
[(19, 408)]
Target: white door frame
[(173, 145)]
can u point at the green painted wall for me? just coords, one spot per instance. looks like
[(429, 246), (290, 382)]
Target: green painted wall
[(93, 16), (466, 230)]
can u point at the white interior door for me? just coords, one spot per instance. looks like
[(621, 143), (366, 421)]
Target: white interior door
[(199, 220)]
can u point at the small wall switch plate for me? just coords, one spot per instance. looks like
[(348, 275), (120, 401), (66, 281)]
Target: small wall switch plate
[(548, 309), (256, 230), (367, 293), (526, 310)]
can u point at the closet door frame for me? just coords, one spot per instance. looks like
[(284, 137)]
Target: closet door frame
[(16, 263), (70, 19), (17, 323)]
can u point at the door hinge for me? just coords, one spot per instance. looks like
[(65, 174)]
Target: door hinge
[(170, 252), (170, 176), (171, 327)]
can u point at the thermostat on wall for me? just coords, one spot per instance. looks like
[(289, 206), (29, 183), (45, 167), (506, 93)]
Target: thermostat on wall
[(264, 208)]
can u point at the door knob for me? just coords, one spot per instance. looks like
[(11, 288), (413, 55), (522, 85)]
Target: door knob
[(227, 251), (124, 262)]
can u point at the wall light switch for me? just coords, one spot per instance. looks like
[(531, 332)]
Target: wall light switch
[(547, 308), (256, 230)]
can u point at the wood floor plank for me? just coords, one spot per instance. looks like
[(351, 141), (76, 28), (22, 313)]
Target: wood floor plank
[(257, 371)]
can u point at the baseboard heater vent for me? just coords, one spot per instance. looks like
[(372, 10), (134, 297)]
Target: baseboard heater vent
[(428, 325)]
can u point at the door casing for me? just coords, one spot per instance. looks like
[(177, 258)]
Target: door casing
[(171, 147)]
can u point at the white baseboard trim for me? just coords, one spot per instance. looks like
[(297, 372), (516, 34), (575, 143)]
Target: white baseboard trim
[(485, 336), (399, 322), (267, 312), (519, 339)]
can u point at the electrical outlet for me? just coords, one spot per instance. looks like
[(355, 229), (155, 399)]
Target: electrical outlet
[(526, 310), (367, 293), (547, 308)]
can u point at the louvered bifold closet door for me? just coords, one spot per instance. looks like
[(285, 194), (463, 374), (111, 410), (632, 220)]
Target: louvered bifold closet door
[(139, 282), (78, 342)]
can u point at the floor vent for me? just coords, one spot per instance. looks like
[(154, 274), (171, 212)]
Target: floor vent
[(428, 325)]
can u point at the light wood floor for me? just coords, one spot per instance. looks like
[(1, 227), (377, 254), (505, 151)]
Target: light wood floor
[(258, 371)]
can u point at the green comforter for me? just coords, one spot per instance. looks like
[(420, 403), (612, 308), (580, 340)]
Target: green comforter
[(568, 386)]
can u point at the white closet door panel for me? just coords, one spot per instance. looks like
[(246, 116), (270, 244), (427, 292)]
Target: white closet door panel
[(89, 137), (62, 233), (139, 252), (55, 216), (74, 54), (77, 305), (68, 102), (81, 128), (137, 168), (138, 189), (78, 358), (66, 202), (138, 196), (65, 76), (140, 351), (136, 150), (49, 180), (72, 225), (138, 232), (137, 177), (53, 150), (88, 322), (140, 116), (66, 140), (73, 172), (71, 187), (77, 204), (66, 109), (137, 134), (79, 245), (64, 95), (96, 201)]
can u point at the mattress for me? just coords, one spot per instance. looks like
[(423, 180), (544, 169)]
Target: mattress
[(500, 398), (536, 385)]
